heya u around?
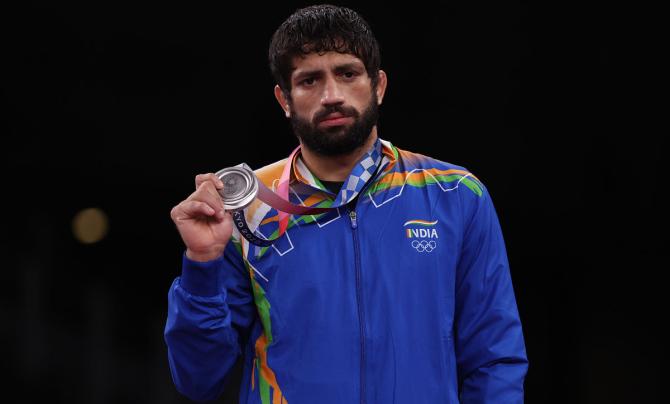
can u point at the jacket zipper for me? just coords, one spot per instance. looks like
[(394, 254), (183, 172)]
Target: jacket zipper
[(359, 298)]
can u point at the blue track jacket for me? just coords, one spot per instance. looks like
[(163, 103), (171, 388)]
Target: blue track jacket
[(405, 297)]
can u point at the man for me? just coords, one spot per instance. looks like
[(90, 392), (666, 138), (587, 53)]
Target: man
[(400, 293)]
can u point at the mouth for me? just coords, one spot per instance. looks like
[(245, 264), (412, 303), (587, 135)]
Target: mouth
[(335, 119)]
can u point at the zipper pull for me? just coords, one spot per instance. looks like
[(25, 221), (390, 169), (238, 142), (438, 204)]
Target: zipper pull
[(352, 216)]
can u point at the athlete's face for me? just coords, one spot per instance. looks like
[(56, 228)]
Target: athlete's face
[(332, 105)]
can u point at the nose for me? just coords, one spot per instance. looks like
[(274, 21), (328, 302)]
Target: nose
[(332, 93)]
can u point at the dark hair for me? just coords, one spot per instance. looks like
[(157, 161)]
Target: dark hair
[(321, 29)]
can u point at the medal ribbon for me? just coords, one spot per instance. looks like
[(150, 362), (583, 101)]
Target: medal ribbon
[(359, 176)]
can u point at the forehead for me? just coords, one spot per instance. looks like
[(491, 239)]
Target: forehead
[(326, 61)]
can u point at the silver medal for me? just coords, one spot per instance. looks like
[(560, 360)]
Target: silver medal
[(240, 187)]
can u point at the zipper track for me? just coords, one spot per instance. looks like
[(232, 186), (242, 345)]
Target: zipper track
[(359, 298), (359, 286)]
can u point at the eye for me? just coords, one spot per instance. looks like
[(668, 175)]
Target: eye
[(308, 81), (349, 74)]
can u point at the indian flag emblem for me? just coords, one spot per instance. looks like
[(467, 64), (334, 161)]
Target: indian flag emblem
[(419, 223), (420, 229)]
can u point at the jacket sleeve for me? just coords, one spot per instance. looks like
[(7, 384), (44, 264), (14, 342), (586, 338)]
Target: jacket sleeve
[(210, 311), (490, 350)]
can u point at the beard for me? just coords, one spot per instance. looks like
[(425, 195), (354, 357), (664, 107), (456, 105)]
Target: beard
[(338, 140)]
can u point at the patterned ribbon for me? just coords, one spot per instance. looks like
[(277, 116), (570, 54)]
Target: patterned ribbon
[(359, 176)]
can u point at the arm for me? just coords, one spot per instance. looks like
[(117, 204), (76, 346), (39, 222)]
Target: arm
[(210, 309), (490, 349)]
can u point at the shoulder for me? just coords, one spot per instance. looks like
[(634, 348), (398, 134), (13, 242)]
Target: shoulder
[(271, 172), (456, 185), (416, 167)]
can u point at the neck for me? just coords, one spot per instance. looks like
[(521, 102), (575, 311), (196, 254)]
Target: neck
[(336, 168)]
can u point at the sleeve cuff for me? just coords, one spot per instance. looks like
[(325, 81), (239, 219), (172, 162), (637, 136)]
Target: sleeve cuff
[(202, 278)]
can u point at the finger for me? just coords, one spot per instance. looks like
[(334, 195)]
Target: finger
[(221, 215), (208, 194), (212, 190), (200, 178), (191, 209)]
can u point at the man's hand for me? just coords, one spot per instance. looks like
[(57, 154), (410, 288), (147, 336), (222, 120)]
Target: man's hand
[(202, 222)]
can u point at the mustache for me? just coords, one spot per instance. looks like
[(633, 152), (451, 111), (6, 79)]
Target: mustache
[(341, 109)]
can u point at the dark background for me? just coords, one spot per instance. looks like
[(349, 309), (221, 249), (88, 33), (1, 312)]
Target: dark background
[(118, 107)]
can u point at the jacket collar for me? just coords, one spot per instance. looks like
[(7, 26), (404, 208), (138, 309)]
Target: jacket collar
[(388, 156)]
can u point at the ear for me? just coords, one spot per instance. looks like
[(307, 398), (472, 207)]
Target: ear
[(283, 102), (381, 86)]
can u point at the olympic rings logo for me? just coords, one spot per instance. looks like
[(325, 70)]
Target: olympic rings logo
[(423, 245)]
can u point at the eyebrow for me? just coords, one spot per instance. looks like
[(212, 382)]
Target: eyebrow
[(339, 68), (348, 66)]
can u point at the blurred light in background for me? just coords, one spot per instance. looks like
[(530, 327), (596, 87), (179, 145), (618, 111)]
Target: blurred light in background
[(90, 225)]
